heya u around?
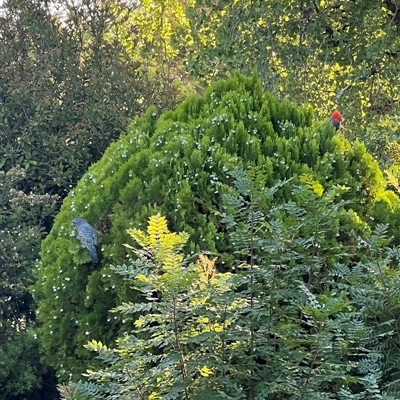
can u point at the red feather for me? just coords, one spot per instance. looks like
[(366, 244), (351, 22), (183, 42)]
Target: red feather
[(336, 119), (336, 116)]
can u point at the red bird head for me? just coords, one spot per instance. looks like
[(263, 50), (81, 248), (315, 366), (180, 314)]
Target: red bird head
[(336, 119)]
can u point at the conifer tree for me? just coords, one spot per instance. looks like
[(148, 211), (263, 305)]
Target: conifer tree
[(178, 164)]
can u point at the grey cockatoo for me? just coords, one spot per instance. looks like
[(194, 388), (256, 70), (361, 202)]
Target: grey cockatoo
[(87, 235)]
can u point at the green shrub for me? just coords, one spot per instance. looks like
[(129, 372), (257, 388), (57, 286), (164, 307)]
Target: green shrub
[(177, 164), (301, 318), (22, 376)]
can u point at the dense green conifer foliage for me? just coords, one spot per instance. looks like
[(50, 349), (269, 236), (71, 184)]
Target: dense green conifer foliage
[(178, 164)]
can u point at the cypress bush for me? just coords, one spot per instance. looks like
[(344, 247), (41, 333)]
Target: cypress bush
[(177, 164)]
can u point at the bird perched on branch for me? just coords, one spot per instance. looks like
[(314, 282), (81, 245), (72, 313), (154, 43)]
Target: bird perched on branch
[(87, 235), (336, 119)]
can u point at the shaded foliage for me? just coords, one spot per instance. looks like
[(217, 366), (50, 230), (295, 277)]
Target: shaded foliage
[(64, 96), (22, 375)]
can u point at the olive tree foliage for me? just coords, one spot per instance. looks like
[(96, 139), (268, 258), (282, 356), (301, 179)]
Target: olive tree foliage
[(305, 316), (327, 53), (178, 164), (68, 88)]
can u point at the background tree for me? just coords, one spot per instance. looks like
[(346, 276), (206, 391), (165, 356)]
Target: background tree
[(177, 164), (329, 54), (67, 92), (156, 34), (22, 375)]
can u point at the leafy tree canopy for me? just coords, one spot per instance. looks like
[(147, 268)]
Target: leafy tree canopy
[(327, 53), (68, 87)]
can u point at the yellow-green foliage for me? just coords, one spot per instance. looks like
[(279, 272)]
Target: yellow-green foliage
[(161, 242), (178, 164)]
